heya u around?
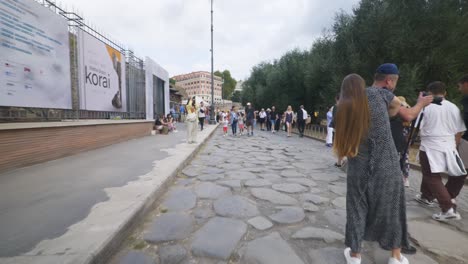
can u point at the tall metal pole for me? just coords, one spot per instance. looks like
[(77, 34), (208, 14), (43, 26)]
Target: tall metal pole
[(212, 117)]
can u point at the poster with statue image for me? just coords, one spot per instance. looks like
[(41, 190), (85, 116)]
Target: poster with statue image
[(102, 75), (34, 56)]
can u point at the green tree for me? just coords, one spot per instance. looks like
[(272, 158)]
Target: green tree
[(229, 83), (427, 39), (236, 96)]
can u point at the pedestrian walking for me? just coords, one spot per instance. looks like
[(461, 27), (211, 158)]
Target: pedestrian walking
[(262, 119), (288, 119), (329, 140), (241, 123), (225, 125), (375, 198), (268, 120), (441, 129), (250, 116), (234, 119), (191, 120), (201, 115), (301, 120), (273, 119), (182, 113)]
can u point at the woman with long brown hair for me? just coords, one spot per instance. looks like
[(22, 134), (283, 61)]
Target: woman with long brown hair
[(375, 199)]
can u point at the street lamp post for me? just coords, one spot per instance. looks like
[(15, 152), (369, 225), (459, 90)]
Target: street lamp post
[(212, 116)]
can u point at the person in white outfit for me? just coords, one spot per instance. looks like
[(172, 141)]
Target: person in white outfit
[(329, 141), (441, 129), (191, 120)]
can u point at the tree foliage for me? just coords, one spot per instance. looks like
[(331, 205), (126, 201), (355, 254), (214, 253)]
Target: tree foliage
[(229, 83), (427, 39)]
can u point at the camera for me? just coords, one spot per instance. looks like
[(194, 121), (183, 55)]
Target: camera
[(437, 99)]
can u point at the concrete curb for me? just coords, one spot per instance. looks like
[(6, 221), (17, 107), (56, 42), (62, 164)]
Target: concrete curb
[(115, 242)]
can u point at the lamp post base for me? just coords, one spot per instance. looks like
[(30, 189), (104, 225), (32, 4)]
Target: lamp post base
[(212, 122)]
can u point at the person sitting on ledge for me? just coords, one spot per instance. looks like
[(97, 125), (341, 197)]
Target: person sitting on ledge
[(161, 126)]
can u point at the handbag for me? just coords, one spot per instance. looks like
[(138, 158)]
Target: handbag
[(192, 117)]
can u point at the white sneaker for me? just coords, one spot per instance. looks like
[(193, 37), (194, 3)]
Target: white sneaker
[(349, 259), (406, 182), (403, 260), (424, 201), (451, 214)]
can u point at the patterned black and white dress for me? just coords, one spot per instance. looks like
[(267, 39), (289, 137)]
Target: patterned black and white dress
[(375, 206)]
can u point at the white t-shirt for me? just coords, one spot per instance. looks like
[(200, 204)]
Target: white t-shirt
[(438, 128), (262, 114), (440, 124), (305, 114)]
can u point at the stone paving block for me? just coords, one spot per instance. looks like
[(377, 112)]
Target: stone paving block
[(271, 249), (292, 174), (218, 238), (289, 187), (313, 198), (209, 190), (236, 207), (310, 207), (136, 257), (241, 175), (191, 171), (234, 184), (273, 196), (439, 239), (318, 234), (340, 203), (303, 181), (257, 183), (179, 200), (260, 223), (336, 218), (169, 227), (338, 190), (172, 254), (211, 177), (288, 215)]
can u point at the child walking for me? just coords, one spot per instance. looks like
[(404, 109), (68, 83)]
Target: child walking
[(241, 123), (225, 126)]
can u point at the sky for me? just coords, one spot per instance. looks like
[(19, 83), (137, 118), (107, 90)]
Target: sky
[(176, 33)]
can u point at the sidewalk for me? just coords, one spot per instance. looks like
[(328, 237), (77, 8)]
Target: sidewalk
[(73, 210)]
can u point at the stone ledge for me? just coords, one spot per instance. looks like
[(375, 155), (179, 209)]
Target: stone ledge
[(68, 123)]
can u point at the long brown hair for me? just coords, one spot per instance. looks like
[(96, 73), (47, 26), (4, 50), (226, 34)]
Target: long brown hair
[(352, 116)]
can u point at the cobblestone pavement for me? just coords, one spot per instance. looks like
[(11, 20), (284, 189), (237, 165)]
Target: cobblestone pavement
[(270, 199)]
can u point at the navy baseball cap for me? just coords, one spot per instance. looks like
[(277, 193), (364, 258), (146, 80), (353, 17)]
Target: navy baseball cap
[(388, 68)]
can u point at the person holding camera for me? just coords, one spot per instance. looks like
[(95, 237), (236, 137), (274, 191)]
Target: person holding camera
[(441, 128)]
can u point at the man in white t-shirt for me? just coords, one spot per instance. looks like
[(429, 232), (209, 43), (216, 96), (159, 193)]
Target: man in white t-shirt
[(301, 120), (441, 129)]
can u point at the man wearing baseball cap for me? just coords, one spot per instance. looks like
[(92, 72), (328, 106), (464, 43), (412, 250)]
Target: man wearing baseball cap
[(386, 77)]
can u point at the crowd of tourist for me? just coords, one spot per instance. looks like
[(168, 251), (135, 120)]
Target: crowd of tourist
[(247, 120)]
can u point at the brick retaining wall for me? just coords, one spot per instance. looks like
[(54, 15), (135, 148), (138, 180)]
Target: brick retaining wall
[(28, 146)]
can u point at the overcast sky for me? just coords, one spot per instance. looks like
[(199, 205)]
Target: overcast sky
[(176, 33)]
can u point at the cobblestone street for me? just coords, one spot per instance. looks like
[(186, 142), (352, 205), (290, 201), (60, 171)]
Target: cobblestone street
[(270, 199)]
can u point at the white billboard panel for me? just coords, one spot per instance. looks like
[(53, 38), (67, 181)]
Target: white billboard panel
[(34, 56), (102, 75)]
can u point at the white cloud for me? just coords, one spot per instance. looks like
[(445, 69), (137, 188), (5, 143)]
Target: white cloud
[(176, 33)]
